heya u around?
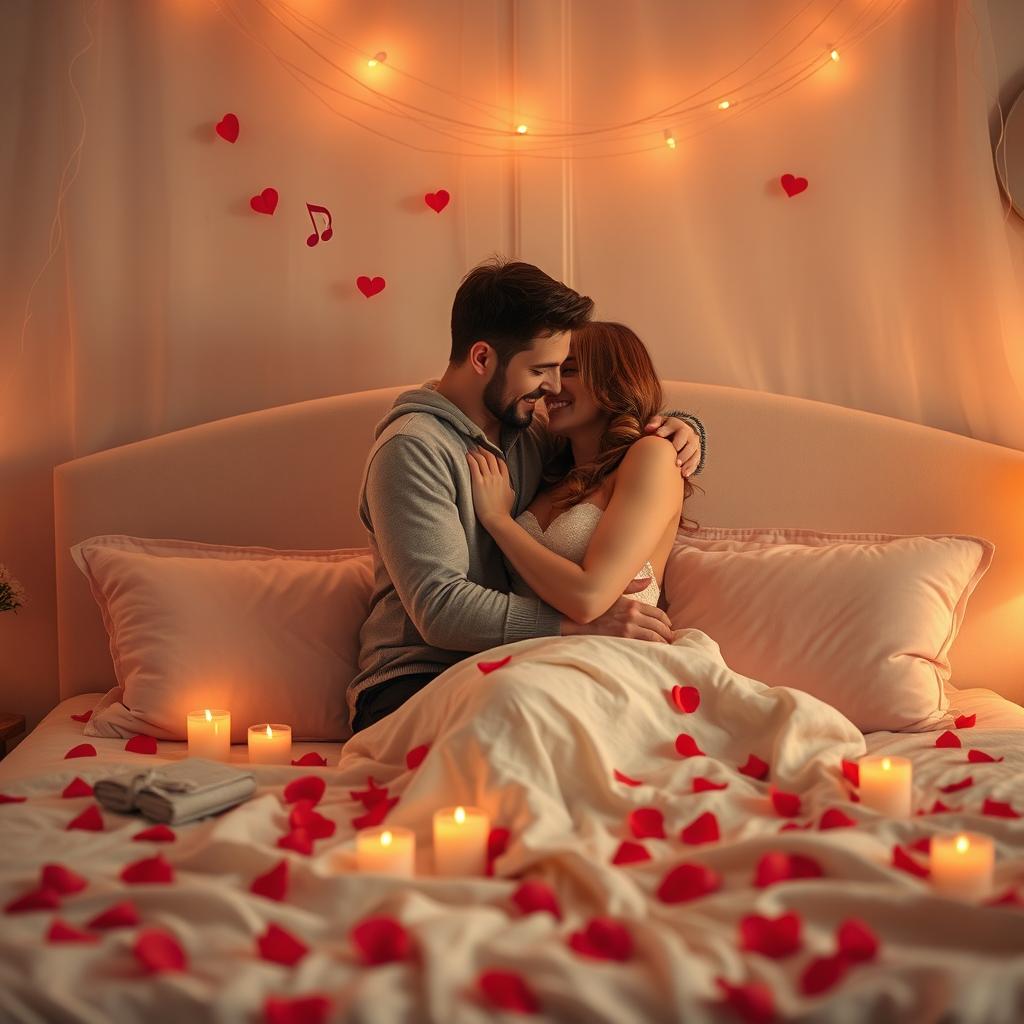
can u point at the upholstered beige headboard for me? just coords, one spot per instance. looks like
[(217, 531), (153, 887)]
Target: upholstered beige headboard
[(288, 477)]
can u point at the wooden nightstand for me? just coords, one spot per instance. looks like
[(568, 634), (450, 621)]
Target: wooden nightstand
[(11, 726)]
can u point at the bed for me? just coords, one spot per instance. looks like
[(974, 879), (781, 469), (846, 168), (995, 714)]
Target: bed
[(585, 912)]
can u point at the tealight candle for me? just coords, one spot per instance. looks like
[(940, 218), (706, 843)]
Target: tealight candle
[(390, 851), (270, 743), (886, 784), (962, 864), (460, 840), (209, 734)]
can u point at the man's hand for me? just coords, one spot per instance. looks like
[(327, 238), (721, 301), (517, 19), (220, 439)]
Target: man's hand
[(628, 618), (683, 437)]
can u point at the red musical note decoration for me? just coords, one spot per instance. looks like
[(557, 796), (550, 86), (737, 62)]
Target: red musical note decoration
[(317, 233)]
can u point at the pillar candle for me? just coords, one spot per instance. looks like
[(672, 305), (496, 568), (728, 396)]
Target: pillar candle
[(209, 734), (460, 841), (886, 784), (270, 743), (389, 851), (962, 864)]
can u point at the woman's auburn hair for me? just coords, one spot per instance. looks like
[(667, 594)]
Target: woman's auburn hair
[(616, 368)]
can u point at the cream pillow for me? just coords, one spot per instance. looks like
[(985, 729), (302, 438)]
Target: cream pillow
[(863, 621), (272, 636)]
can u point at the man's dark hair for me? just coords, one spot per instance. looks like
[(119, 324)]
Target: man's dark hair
[(508, 303)]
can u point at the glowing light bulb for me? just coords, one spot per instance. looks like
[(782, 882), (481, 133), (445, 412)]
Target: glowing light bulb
[(460, 815), (834, 55), (724, 105), (377, 58), (522, 129), (670, 139)]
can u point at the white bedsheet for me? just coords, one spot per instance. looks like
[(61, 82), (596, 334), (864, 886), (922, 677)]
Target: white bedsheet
[(537, 744)]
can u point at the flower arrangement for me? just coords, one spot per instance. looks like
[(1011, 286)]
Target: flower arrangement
[(12, 593)]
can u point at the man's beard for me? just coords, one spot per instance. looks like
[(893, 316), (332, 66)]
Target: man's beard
[(494, 394)]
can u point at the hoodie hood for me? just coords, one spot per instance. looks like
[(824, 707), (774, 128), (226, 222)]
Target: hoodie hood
[(426, 399)]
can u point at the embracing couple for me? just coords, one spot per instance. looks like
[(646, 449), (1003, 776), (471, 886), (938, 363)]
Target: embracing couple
[(491, 523)]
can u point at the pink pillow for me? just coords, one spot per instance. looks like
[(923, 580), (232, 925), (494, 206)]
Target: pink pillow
[(863, 621), (272, 636)]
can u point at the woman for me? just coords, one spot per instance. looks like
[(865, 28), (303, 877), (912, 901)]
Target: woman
[(613, 500)]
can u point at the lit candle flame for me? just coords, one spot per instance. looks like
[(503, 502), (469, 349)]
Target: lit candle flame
[(385, 838), (460, 815), (270, 732), (963, 844), (886, 764), (209, 716)]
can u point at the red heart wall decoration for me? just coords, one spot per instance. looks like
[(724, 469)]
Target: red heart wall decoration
[(227, 127), (793, 185), (265, 202)]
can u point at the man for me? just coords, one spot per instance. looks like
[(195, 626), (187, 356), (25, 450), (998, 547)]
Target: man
[(441, 590)]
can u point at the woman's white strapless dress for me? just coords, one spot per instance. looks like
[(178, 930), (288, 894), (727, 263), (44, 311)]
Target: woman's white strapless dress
[(568, 535)]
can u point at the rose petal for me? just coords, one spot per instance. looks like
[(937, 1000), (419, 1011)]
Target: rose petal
[(507, 990), (856, 941), (120, 915), (308, 787), (487, 667), (281, 946), (37, 899), (312, 1009), (318, 827), (687, 882), (274, 884), (686, 746), (141, 744), (533, 896), (965, 721), (787, 805), (851, 771), (647, 823), (630, 853), (158, 950), (83, 717), (312, 758), (155, 834), (948, 739), (793, 826), (686, 698), (368, 797), (835, 818), (753, 1001), (854, 797), (998, 809), (902, 860), (415, 756), (774, 937), (153, 870), (954, 786), (980, 757), (61, 879), (603, 938), (823, 973), (5, 799), (90, 820), (923, 845), (1010, 898), (381, 939), (702, 785), (778, 866), (626, 779), (497, 844), (755, 767), (938, 808), (703, 829), (299, 840), (82, 750), (76, 787), (61, 931), (375, 814)]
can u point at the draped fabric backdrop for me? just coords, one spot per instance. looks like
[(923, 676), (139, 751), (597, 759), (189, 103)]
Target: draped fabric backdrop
[(140, 294)]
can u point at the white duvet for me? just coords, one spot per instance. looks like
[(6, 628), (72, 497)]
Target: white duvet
[(559, 746)]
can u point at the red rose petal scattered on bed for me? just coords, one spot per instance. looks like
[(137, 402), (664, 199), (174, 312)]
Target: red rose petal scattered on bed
[(76, 787), (980, 757), (753, 1001), (155, 834), (158, 950), (1010, 898), (856, 941), (792, 826), (314, 823), (281, 946), (313, 1009), (497, 844), (61, 879), (755, 767), (854, 797), (148, 870), (415, 756), (309, 787), (647, 823), (487, 667), (923, 845), (937, 808), (371, 794), (823, 973), (787, 805), (82, 750), (998, 809), (702, 785), (381, 939), (687, 882), (299, 839), (90, 820), (902, 860), (37, 899), (686, 746), (120, 915), (851, 771), (603, 938), (620, 777), (83, 717), (778, 866), (61, 931), (273, 884), (703, 829), (965, 721), (948, 739), (5, 799), (835, 818), (375, 814), (312, 758), (771, 936), (141, 744), (630, 853), (686, 698), (533, 896), (507, 990), (954, 786)]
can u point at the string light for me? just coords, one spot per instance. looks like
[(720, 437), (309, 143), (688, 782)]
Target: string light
[(670, 139), (724, 105), (377, 58), (522, 129), (834, 55)]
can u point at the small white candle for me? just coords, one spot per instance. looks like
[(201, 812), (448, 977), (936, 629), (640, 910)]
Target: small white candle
[(962, 864), (209, 734), (460, 841), (270, 743), (387, 851), (886, 784)]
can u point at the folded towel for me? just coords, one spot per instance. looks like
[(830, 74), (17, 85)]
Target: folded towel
[(177, 793)]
